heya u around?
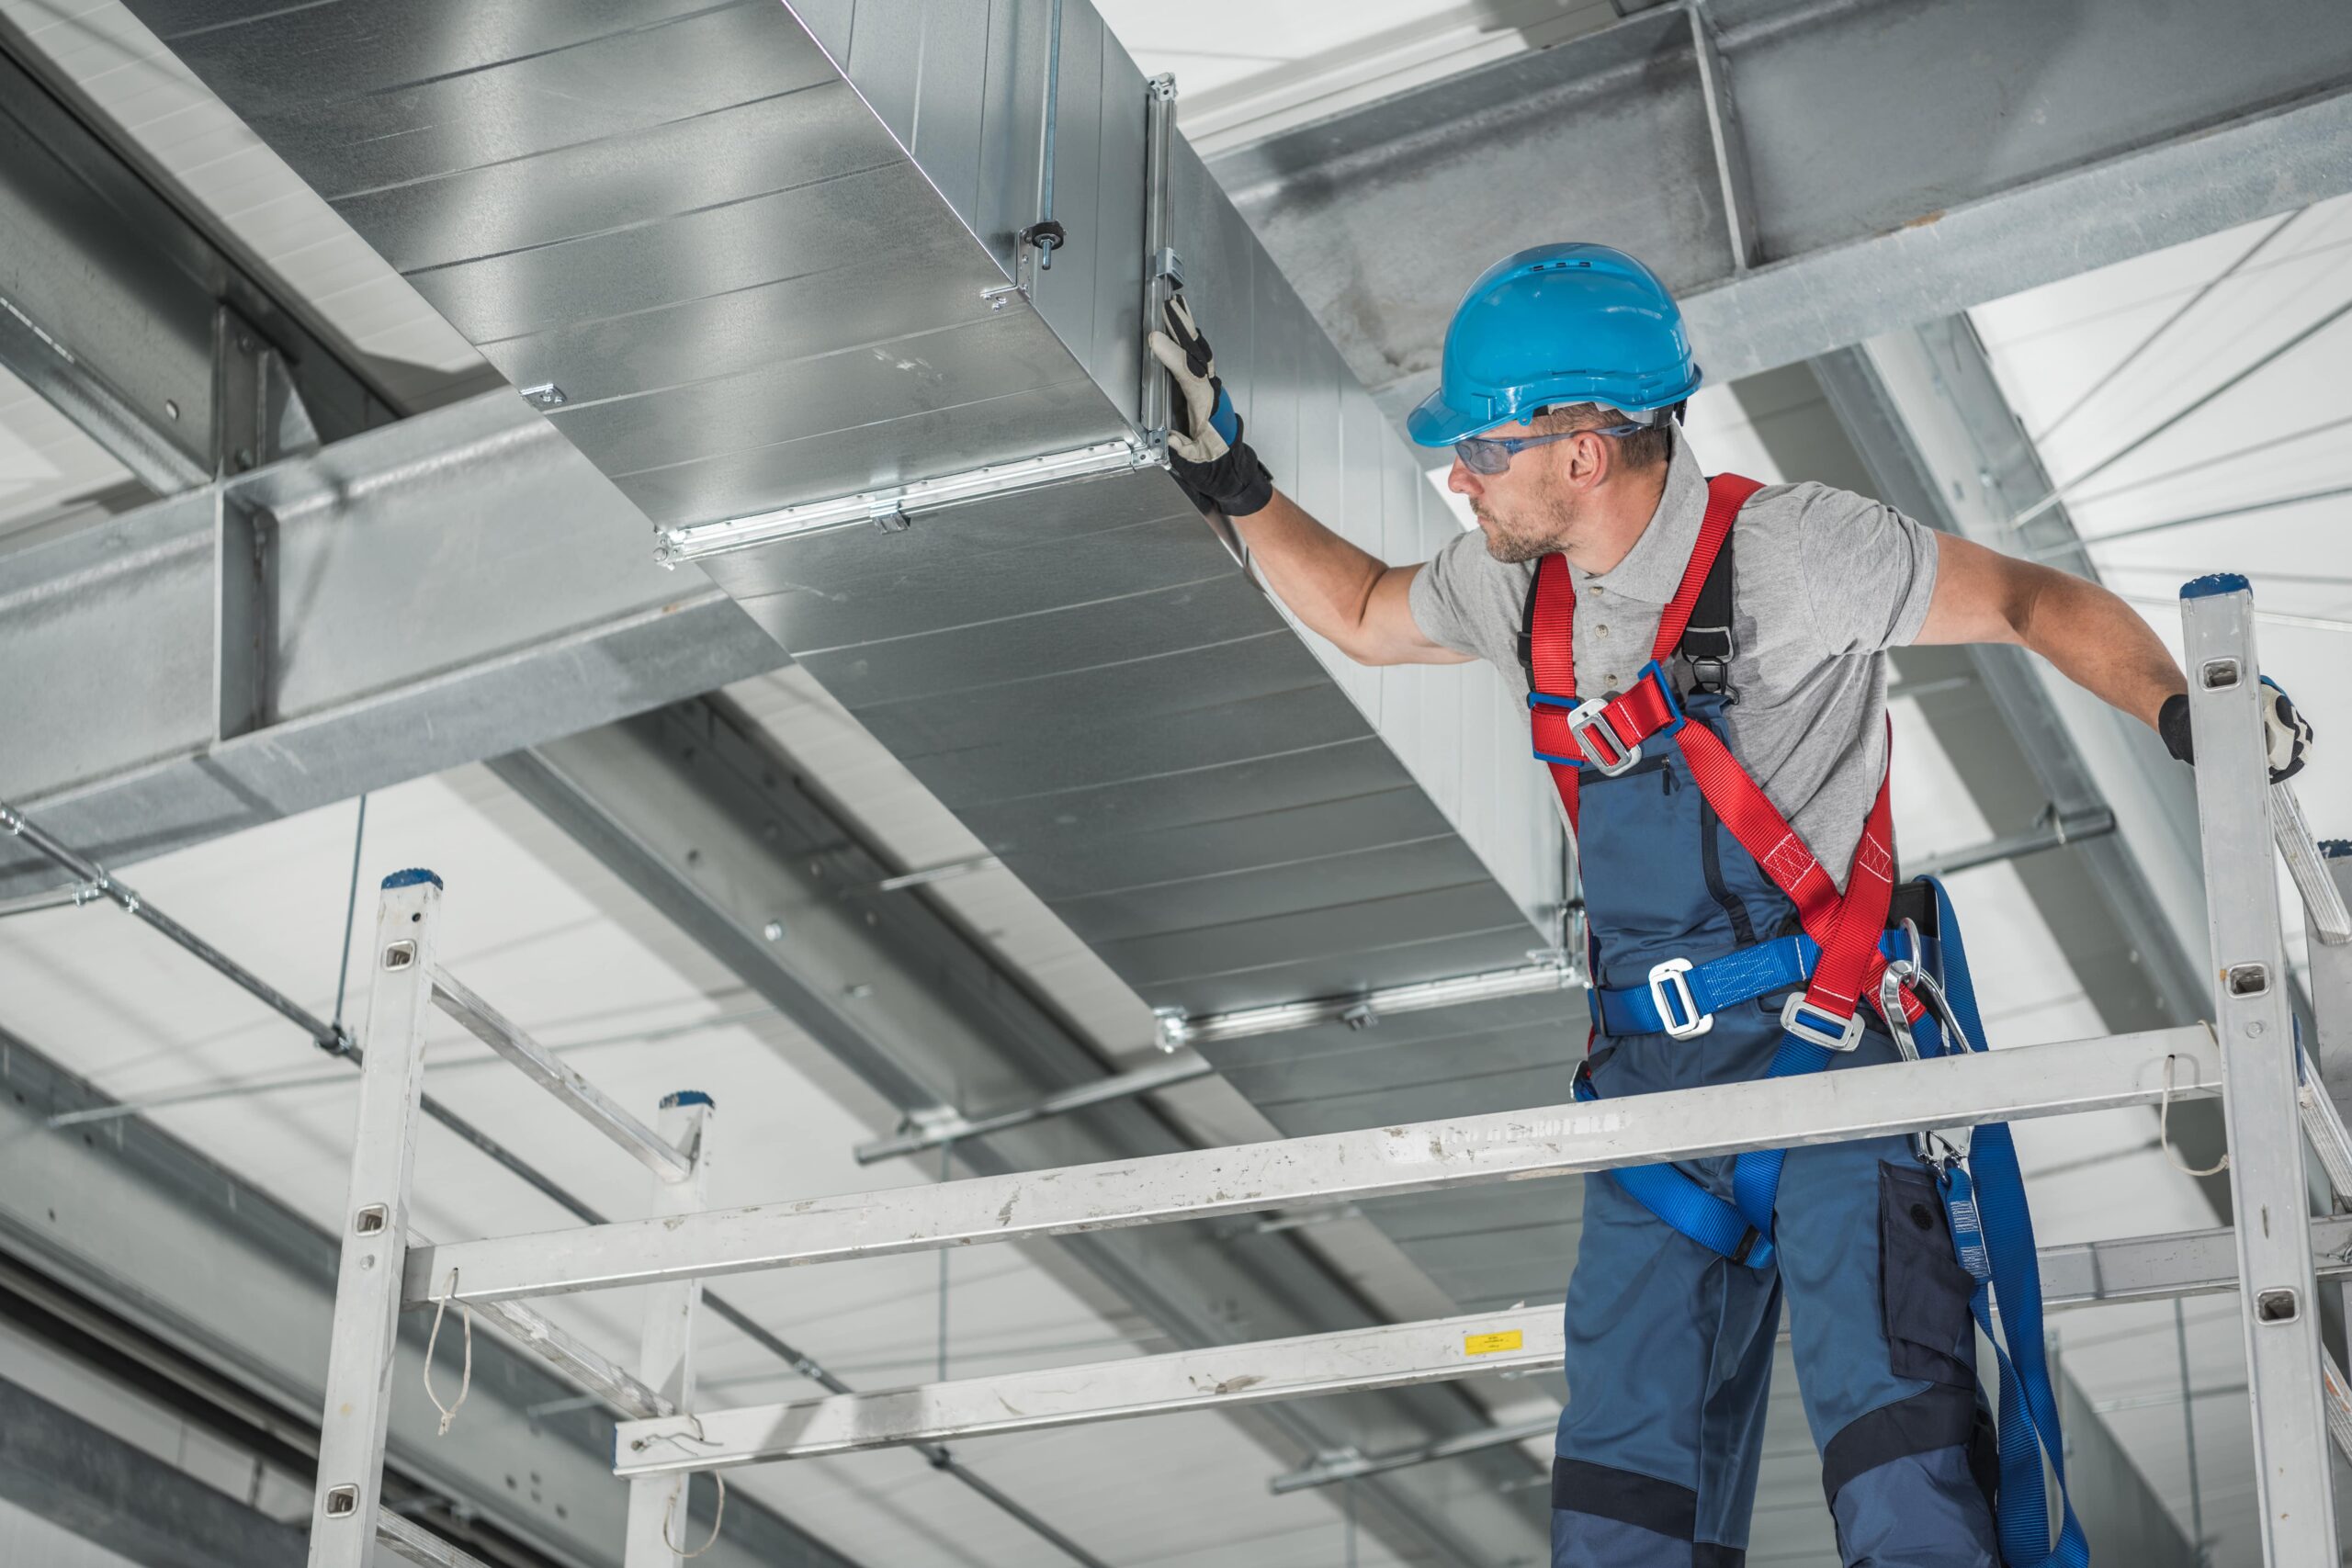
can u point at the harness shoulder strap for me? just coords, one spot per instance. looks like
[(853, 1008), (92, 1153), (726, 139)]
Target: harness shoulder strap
[(1707, 640), (1547, 636)]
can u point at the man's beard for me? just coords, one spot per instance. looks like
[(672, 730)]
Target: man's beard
[(1525, 539)]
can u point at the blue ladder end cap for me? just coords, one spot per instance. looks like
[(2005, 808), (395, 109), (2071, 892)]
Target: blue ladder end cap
[(2214, 582), (2336, 849), (414, 877), (688, 1096)]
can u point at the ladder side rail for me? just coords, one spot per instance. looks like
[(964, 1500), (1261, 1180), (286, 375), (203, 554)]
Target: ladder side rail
[(2261, 1112), (2038, 1081), (2326, 916), (2331, 1053), (374, 1227), (1517, 1341), (495, 1030), (657, 1504)]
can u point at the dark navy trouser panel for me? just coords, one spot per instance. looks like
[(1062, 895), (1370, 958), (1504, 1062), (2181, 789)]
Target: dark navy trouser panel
[(1624, 1520), (1669, 1355), (1578, 1541), (1920, 1511)]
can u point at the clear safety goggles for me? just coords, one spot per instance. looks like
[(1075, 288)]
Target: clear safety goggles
[(1492, 454)]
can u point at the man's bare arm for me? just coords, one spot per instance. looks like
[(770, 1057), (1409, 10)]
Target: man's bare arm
[(1344, 593), (2096, 640)]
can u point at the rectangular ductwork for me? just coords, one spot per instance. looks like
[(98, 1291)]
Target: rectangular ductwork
[(756, 256)]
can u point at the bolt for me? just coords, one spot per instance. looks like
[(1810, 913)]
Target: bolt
[(2253, 1029), (773, 931), (171, 409)]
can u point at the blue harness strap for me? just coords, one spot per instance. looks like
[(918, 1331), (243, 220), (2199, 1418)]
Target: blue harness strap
[(1993, 1233), (1685, 1205), (1739, 975)]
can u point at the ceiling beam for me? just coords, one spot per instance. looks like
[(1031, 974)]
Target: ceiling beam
[(426, 593), (1885, 184), (698, 811), (117, 1495), (138, 326)]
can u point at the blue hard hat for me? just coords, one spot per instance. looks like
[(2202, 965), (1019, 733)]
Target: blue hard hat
[(1565, 324)]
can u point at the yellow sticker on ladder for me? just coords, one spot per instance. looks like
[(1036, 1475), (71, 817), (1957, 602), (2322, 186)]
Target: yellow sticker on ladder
[(1487, 1344)]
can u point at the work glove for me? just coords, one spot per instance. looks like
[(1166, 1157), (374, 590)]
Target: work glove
[(2286, 735), (1205, 452)]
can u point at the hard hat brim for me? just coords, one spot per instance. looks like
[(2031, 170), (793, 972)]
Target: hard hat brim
[(1433, 421)]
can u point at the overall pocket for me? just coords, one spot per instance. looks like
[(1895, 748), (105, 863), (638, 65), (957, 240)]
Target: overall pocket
[(1923, 1291)]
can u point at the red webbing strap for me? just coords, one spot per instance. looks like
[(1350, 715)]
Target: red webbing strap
[(1643, 711), (1847, 926), (1551, 647), (1727, 493)]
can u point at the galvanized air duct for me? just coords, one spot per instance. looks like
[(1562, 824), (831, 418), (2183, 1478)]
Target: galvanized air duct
[(757, 257)]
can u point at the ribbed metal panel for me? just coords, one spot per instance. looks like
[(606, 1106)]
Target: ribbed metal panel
[(750, 245)]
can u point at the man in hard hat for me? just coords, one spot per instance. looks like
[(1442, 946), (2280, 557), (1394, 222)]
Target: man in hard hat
[(1710, 701)]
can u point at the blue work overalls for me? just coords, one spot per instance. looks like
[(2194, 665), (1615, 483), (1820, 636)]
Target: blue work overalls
[(1670, 1344)]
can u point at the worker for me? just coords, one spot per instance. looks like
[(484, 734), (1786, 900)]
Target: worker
[(1706, 667)]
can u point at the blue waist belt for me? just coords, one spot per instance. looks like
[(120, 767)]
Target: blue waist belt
[(1682, 998)]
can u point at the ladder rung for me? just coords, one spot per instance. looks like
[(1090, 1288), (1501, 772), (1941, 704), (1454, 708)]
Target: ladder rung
[(493, 1029), (411, 1542)]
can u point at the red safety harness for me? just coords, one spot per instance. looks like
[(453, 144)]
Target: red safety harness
[(1608, 733)]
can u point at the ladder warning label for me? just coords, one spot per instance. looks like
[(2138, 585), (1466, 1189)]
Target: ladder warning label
[(1487, 1344)]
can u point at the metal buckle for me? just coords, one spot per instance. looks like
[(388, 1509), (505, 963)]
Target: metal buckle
[(1669, 977), (1844, 1035), (1890, 1006), (1891, 981), (1585, 720)]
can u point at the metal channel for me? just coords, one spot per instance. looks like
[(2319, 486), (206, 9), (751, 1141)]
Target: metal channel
[(945, 1125), (1161, 272), (888, 509), (2042, 1080), (1386, 1356)]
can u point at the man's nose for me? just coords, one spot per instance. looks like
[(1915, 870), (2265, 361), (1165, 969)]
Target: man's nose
[(1462, 481)]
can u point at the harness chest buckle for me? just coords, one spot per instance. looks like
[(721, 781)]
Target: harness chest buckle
[(1677, 1009), (1842, 1034), (1588, 719)]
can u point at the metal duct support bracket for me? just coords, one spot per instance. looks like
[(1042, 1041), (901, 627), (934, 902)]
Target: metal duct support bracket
[(1163, 271), (890, 509), (1365, 1010)]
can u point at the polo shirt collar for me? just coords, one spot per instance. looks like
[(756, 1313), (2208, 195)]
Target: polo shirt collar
[(1652, 568)]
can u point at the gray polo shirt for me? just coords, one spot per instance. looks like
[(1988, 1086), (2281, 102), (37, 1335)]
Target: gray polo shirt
[(1824, 582)]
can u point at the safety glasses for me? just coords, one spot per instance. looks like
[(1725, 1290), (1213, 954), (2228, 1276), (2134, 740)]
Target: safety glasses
[(1492, 454)]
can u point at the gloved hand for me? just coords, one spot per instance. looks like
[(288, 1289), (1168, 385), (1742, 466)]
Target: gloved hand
[(2286, 735), (1205, 452)]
